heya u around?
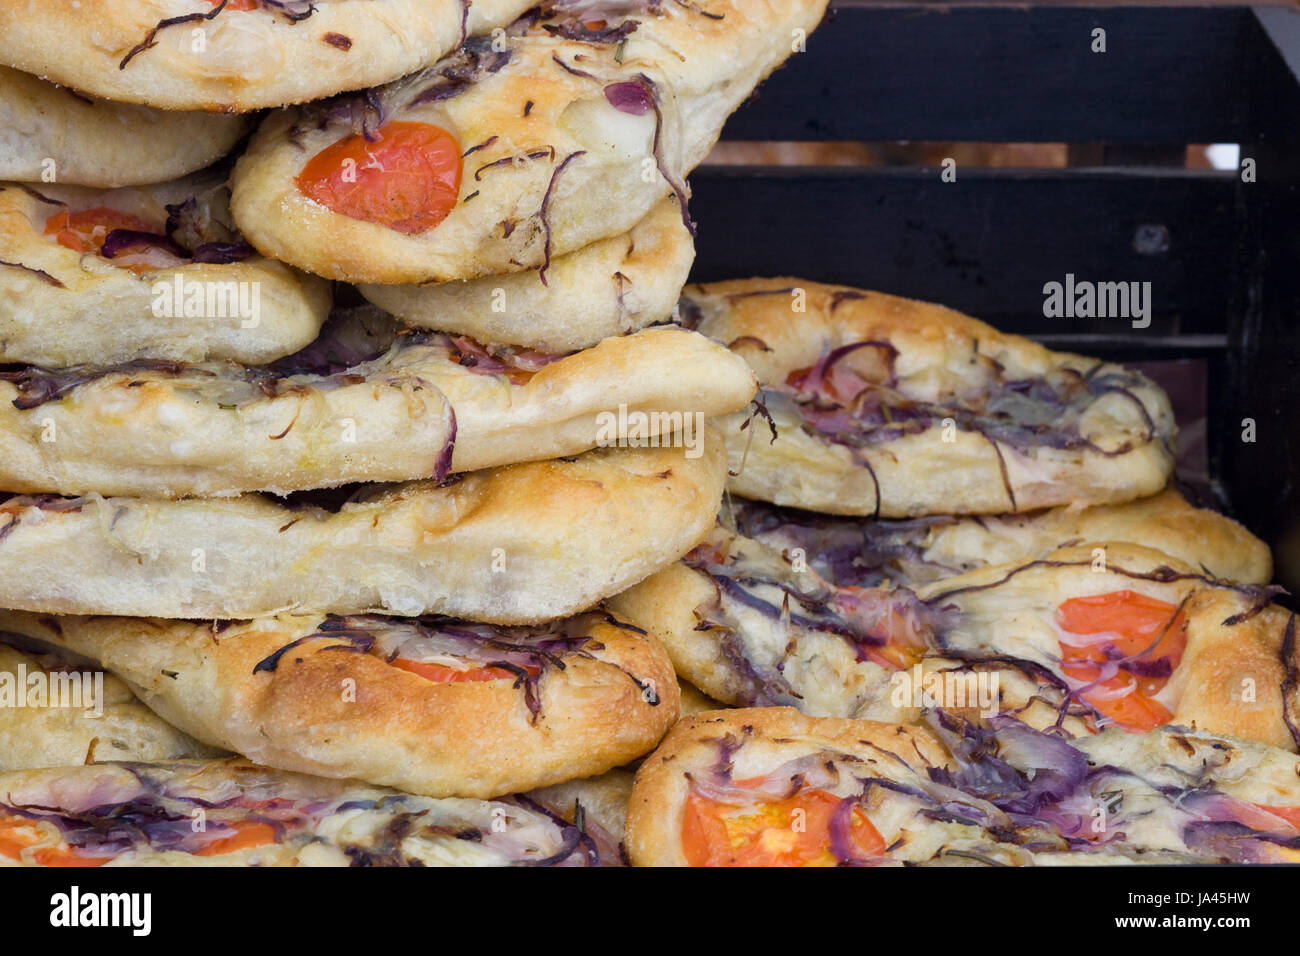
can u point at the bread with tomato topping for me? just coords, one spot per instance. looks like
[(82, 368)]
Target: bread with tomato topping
[(90, 277), (1079, 638), (439, 707), (772, 787), (515, 150), (232, 813)]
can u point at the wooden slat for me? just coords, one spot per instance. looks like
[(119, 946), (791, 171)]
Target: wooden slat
[(970, 73), (1263, 477), (985, 244)]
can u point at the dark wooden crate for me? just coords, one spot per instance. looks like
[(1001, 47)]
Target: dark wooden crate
[(1226, 288)]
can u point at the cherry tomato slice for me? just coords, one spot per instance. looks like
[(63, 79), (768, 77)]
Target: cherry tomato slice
[(408, 179)]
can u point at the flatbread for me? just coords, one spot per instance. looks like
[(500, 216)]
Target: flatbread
[(910, 552), (568, 134), (168, 430), (602, 801), (748, 629), (519, 544), (771, 787), (52, 134), (901, 408), (437, 706), (610, 287), (237, 55), (231, 813), (80, 715), (361, 403), (62, 307)]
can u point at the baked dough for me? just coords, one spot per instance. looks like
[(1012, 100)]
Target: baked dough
[(908, 552), (550, 163), (694, 700), (52, 134), (723, 790), (1237, 670), (216, 428), (603, 802), (60, 307), (82, 716), (1025, 427), (610, 287), (234, 59), (338, 696), (519, 544), (748, 629), (663, 382), (232, 813), (362, 403)]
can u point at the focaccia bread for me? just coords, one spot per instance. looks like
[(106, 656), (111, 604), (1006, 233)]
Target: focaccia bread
[(610, 287), (1139, 637), (231, 813), (236, 55), (892, 408), (513, 545), (57, 710), (771, 787), (598, 803), (694, 700), (514, 150), (51, 134), (912, 551), (361, 403), (99, 277), (436, 706), (1085, 637), (347, 408)]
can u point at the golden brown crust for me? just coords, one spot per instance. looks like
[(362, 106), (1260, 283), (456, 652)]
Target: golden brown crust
[(546, 150), (315, 709), (1234, 676), (238, 60), (51, 134), (511, 545), (609, 287), (768, 736), (940, 353), (59, 307)]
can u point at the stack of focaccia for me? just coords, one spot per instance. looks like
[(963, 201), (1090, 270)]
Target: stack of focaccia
[(360, 488), (961, 615), (327, 430)]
